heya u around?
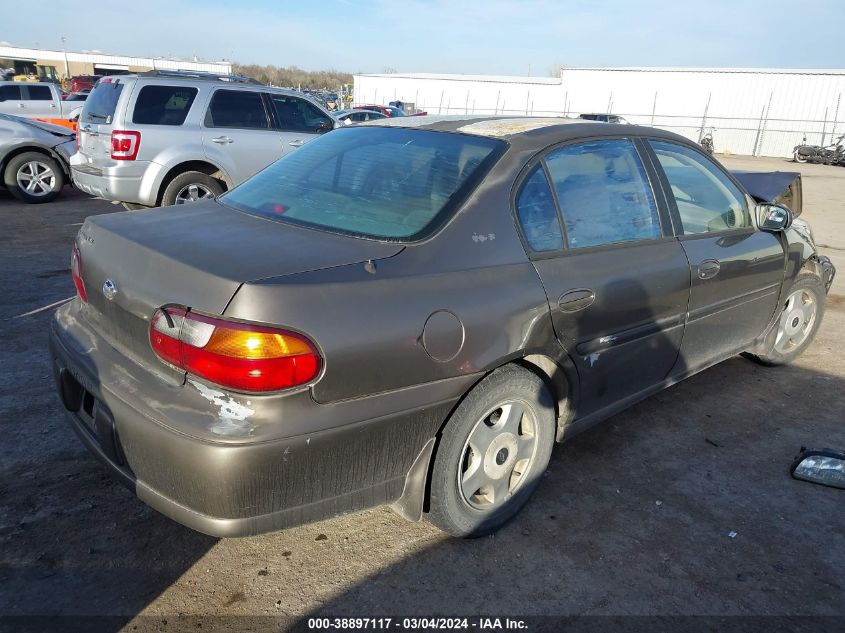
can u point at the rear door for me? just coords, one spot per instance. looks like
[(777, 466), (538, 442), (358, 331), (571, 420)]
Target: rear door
[(297, 120), (616, 279), (237, 134), (40, 101), (736, 269)]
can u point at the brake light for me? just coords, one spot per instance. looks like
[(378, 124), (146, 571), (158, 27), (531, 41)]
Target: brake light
[(125, 144), (76, 273), (241, 356)]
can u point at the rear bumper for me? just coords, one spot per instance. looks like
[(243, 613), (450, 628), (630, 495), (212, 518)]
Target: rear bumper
[(232, 487), (123, 181)]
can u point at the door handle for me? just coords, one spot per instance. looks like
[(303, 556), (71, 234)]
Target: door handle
[(222, 140), (297, 143), (575, 300), (709, 268)]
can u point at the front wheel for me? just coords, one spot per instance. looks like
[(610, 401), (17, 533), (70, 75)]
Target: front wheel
[(492, 453), (799, 320), (33, 177)]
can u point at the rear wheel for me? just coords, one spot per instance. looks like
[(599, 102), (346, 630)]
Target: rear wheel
[(190, 186), (798, 323), (492, 453), (33, 177)]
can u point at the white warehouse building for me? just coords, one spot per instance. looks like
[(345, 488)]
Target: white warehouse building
[(761, 112)]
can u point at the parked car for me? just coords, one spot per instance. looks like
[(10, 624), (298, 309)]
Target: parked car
[(604, 118), (164, 138), (348, 117), (388, 111), (77, 96), (413, 314), (81, 83), (34, 158), (33, 100)]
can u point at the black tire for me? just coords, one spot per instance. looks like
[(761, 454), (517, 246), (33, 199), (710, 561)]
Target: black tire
[(780, 354), (450, 509), (798, 158), (46, 190), (184, 180)]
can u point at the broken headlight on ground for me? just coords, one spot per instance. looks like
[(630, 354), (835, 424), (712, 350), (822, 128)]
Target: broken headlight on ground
[(821, 466)]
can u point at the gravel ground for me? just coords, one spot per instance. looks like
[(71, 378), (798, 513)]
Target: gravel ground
[(634, 517)]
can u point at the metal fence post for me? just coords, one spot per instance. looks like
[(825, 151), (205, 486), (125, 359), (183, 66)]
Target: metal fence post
[(759, 129), (704, 118), (824, 126), (765, 122), (653, 107), (835, 117)]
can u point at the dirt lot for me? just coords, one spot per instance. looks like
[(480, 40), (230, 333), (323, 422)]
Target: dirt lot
[(633, 517)]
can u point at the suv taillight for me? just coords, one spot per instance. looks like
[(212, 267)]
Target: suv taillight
[(241, 356), (76, 273), (125, 144)]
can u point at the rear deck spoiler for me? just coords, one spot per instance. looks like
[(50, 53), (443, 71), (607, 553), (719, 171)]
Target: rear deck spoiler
[(778, 187)]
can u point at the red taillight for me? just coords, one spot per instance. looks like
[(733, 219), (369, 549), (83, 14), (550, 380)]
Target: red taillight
[(76, 273), (125, 144), (241, 356)]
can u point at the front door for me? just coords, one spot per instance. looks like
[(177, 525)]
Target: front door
[(297, 120), (736, 269), (237, 134), (616, 279)]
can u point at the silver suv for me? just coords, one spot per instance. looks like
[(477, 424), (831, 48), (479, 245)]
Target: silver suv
[(164, 138)]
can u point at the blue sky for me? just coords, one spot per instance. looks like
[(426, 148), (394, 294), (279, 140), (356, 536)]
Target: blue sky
[(471, 36)]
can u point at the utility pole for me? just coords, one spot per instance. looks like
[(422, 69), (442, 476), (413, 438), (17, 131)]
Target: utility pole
[(64, 50)]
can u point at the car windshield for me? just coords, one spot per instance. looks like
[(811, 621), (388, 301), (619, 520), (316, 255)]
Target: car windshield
[(377, 182)]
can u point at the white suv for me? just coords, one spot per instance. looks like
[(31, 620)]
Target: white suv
[(164, 138)]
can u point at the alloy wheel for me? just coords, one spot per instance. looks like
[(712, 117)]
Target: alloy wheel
[(36, 178)]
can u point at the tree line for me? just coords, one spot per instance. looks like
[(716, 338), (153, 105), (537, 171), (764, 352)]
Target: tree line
[(294, 77)]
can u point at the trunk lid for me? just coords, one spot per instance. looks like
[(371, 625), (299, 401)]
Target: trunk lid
[(97, 118), (197, 256)]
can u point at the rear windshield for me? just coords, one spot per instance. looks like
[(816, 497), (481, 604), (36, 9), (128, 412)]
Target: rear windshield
[(101, 103), (163, 105), (378, 182)]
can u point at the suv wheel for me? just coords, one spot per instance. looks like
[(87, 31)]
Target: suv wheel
[(190, 187), (33, 177), (492, 453)]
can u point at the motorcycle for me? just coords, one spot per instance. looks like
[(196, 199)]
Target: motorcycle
[(833, 154), (706, 141)]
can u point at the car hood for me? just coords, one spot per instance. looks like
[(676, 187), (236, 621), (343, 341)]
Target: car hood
[(39, 128)]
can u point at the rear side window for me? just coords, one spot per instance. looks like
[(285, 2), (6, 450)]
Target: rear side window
[(163, 105), (10, 93), (537, 213), (297, 115), (604, 194), (102, 102), (377, 182), (39, 93), (707, 200), (237, 109)]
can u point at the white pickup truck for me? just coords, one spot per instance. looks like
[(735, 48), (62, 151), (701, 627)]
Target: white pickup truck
[(34, 100)]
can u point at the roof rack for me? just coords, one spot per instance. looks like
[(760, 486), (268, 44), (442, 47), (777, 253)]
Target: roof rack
[(196, 74)]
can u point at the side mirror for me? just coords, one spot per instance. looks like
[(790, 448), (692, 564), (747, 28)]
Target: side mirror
[(774, 217), (820, 466), (324, 127)]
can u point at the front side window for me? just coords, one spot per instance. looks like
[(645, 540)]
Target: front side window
[(708, 201), (163, 105), (10, 93), (297, 115), (377, 182), (39, 93), (237, 109), (604, 194), (537, 213)]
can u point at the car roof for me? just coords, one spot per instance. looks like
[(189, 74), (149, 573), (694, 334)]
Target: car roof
[(527, 131), (216, 80)]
